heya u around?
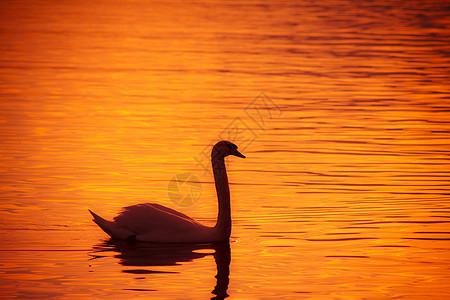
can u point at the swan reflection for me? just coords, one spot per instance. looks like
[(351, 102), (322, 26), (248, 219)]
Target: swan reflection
[(167, 254)]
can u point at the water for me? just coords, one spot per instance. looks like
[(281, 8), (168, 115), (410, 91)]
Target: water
[(343, 195)]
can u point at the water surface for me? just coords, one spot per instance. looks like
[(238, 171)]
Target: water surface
[(343, 195)]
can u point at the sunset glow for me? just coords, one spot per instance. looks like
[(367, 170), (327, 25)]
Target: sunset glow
[(341, 108)]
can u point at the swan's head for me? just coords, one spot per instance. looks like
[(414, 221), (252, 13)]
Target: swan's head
[(225, 148)]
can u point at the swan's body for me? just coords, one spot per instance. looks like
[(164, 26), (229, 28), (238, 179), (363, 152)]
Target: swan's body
[(152, 222)]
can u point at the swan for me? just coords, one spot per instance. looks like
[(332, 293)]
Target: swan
[(151, 222)]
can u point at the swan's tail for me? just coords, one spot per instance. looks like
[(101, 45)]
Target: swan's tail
[(112, 229)]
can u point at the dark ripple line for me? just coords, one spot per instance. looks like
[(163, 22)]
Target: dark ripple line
[(140, 290), (286, 232), (45, 250), (409, 222), (392, 246), (344, 239), (39, 229), (427, 239), (380, 153), (367, 184), (349, 256), (433, 232), (139, 271), (343, 191), (299, 172), (420, 120)]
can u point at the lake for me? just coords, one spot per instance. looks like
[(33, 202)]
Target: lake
[(341, 107)]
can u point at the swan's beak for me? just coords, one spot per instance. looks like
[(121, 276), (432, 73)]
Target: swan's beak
[(238, 154)]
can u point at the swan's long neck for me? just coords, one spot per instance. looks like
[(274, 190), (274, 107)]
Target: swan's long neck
[(223, 226)]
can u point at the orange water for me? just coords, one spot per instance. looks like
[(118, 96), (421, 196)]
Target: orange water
[(343, 195)]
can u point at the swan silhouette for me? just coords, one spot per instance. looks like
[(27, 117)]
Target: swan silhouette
[(150, 222)]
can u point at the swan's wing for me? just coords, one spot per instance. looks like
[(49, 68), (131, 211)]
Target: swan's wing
[(142, 218), (168, 210)]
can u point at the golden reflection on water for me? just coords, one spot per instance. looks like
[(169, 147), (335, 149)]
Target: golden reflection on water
[(344, 192)]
